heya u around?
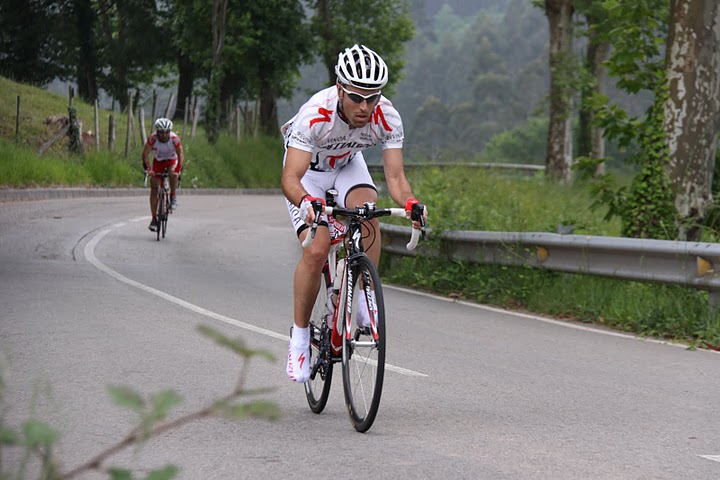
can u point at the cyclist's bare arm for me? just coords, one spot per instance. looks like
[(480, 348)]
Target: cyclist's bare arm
[(397, 183), (181, 156), (296, 164), (145, 154)]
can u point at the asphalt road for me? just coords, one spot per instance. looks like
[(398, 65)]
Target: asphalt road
[(88, 299)]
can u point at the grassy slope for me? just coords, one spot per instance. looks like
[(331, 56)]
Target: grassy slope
[(255, 162)]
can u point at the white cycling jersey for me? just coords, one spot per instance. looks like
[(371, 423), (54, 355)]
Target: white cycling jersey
[(319, 129), (164, 150)]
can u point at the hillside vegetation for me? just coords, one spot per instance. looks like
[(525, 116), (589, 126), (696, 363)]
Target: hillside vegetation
[(253, 162)]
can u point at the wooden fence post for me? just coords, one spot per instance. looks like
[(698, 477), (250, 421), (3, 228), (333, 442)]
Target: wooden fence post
[(154, 107), (237, 124), (170, 101), (129, 129), (111, 133), (187, 113), (143, 134), (97, 127), (196, 114), (17, 121)]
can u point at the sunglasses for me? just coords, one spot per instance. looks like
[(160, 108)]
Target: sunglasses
[(358, 98)]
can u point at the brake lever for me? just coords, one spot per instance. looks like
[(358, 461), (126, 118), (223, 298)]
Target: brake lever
[(417, 215)]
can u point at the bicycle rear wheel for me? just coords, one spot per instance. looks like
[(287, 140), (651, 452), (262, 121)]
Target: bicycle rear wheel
[(363, 354), (317, 389)]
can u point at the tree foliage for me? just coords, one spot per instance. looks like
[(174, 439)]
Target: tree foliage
[(382, 25)]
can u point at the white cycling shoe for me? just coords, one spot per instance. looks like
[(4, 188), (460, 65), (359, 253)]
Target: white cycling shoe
[(298, 363)]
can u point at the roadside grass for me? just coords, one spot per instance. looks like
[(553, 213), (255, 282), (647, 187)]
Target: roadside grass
[(465, 198), (662, 311)]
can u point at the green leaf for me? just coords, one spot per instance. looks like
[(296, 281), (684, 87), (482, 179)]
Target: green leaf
[(9, 436), (164, 401), (119, 474), (260, 409), (165, 473), (38, 434), (126, 397), (237, 345)]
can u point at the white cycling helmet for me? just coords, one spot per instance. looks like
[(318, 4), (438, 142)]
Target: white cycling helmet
[(362, 68), (163, 125)]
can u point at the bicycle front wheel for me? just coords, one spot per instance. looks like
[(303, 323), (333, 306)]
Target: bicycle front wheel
[(166, 214), (160, 214), (317, 389), (363, 352)]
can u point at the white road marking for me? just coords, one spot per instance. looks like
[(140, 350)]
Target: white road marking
[(90, 257), (715, 458)]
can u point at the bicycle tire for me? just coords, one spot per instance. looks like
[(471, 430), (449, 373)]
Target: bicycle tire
[(363, 356), (166, 214), (317, 389), (159, 214)]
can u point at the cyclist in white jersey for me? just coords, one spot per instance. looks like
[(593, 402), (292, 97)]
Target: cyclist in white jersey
[(167, 153), (323, 150)]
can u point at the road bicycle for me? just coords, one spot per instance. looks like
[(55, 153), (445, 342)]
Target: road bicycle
[(348, 275), (164, 207)]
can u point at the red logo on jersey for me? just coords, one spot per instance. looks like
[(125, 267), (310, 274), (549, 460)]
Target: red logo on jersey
[(325, 116), (334, 158), (377, 117)]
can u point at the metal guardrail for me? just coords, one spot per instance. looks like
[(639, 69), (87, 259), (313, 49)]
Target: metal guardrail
[(690, 264), (525, 169)]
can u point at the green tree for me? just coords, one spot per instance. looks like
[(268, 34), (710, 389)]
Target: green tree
[(135, 50), (27, 50), (382, 25), (563, 63), (637, 31), (591, 142), (692, 109)]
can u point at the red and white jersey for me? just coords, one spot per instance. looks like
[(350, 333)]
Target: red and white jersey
[(318, 129), (164, 150)]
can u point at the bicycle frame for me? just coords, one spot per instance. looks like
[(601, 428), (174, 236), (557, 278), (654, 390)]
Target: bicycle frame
[(362, 351), (352, 239)]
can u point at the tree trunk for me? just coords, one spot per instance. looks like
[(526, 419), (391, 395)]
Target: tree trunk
[(590, 139), (87, 62), (212, 112), (186, 79), (558, 160), (330, 50), (692, 110), (268, 110)]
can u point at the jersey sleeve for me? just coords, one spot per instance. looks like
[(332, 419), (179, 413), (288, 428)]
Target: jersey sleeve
[(303, 133), (389, 122)]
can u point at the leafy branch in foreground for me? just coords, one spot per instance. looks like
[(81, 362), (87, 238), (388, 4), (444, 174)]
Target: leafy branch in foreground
[(37, 438)]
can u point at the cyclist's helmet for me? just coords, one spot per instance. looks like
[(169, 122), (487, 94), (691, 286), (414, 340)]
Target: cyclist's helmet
[(163, 125), (362, 68)]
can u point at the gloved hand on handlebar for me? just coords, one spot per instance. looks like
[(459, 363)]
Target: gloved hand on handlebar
[(417, 212), (306, 207)]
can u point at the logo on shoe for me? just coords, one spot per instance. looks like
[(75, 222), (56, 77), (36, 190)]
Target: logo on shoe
[(301, 359)]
